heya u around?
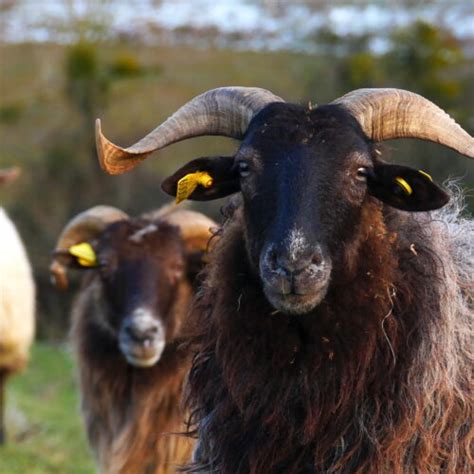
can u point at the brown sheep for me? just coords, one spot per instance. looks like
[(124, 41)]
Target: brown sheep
[(334, 329), (126, 324)]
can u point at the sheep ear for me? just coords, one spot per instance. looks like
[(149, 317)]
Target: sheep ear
[(204, 179), (81, 255), (405, 188), (10, 174), (85, 254)]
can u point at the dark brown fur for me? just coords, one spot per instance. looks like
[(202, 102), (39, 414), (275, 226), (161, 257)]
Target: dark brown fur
[(130, 413), (363, 383)]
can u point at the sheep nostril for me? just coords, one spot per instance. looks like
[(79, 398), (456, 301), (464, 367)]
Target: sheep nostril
[(133, 333), (273, 259), (317, 259), (141, 334)]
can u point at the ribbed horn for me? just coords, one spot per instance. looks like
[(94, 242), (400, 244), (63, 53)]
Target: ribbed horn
[(394, 113), (226, 111), (9, 174), (85, 226)]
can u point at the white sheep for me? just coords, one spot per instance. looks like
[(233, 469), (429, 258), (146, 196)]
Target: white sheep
[(17, 301)]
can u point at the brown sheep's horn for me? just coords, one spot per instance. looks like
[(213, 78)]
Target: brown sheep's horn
[(85, 226), (9, 174), (394, 113), (225, 111)]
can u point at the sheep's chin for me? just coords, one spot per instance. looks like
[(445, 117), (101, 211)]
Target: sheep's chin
[(142, 355), (142, 362), (294, 304)]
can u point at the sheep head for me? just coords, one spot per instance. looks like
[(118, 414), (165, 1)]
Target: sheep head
[(138, 267), (305, 175)]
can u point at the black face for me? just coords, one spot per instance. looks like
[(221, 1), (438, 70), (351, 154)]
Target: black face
[(304, 176), (302, 190), (140, 267)]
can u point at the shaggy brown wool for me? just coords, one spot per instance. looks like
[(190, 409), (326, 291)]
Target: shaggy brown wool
[(131, 413), (375, 379)]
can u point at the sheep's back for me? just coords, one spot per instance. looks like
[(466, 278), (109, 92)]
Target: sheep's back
[(17, 298)]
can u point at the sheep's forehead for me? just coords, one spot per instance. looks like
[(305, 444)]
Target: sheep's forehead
[(133, 238), (328, 130), (140, 234)]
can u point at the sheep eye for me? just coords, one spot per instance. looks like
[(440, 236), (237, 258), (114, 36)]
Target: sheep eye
[(362, 174), (244, 169)]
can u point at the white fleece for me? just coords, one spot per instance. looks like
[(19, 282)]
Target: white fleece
[(17, 298)]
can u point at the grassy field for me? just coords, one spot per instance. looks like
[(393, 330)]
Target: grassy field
[(39, 130), (45, 434)]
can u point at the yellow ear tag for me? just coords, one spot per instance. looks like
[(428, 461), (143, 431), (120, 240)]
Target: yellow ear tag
[(426, 175), (404, 185), (85, 254), (187, 184)]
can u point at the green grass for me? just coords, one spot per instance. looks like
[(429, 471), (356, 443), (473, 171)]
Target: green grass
[(45, 434)]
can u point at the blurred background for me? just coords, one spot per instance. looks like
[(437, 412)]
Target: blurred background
[(133, 63)]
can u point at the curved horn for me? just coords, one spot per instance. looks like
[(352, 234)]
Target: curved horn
[(225, 111), (9, 174), (85, 226), (384, 114)]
